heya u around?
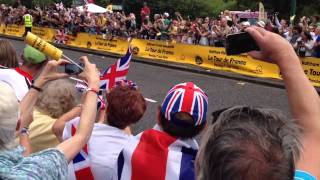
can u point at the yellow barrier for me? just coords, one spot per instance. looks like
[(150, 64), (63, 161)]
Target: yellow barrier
[(46, 34), (203, 56), (13, 30)]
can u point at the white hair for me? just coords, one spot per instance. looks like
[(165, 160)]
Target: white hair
[(9, 112)]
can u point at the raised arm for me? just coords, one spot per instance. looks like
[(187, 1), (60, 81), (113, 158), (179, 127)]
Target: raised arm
[(60, 123), (303, 98), (26, 105), (73, 145)]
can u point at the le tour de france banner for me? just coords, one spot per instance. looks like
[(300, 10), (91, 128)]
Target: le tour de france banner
[(203, 56)]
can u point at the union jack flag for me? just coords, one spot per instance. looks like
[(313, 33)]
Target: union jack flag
[(165, 156), (61, 37), (81, 162), (82, 87), (116, 72)]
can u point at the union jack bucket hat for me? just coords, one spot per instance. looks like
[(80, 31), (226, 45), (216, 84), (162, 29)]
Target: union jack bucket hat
[(187, 98)]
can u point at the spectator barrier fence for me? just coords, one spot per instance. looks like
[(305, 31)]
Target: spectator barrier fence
[(202, 56)]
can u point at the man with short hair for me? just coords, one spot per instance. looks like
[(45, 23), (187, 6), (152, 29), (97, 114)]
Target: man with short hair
[(20, 78), (254, 143), (169, 149)]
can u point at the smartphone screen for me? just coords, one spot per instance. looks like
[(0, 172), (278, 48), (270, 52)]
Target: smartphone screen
[(240, 43), (72, 69)]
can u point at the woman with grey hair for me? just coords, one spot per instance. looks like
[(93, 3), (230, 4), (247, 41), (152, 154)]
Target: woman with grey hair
[(253, 143), (50, 163), (57, 98)]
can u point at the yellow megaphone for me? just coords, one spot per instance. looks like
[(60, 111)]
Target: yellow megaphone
[(47, 48), (43, 46)]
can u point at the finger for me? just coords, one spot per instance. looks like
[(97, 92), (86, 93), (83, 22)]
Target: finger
[(63, 62), (257, 36), (62, 75), (84, 59)]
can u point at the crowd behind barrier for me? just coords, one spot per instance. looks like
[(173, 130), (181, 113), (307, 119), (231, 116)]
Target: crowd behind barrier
[(205, 56), (206, 31), (240, 142)]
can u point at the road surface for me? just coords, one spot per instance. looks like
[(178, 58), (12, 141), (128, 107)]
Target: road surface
[(154, 81)]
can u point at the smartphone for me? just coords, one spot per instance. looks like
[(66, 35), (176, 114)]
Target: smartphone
[(240, 43), (72, 69)]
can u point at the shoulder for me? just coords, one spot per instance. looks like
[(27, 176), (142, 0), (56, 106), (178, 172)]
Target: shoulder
[(36, 166), (41, 164)]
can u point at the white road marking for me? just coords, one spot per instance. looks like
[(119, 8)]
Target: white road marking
[(150, 100)]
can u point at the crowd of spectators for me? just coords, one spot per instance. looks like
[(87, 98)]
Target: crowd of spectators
[(38, 102), (205, 31)]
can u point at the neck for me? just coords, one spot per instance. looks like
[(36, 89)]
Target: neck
[(30, 71)]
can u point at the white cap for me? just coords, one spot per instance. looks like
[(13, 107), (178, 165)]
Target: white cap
[(246, 23), (166, 14)]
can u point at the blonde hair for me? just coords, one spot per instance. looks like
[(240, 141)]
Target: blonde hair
[(8, 55), (9, 111), (57, 98)]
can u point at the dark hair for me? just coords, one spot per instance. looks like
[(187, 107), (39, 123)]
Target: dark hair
[(308, 35), (298, 29), (188, 130), (230, 23), (249, 143), (126, 106), (8, 55)]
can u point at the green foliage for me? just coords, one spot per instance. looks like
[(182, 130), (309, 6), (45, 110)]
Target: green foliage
[(191, 8), (195, 8)]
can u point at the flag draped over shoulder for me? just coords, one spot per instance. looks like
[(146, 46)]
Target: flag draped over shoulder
[(81, 162), (116, 72), (156, 155)]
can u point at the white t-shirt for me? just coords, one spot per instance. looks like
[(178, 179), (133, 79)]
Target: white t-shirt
[(18, 82), (104, 147)]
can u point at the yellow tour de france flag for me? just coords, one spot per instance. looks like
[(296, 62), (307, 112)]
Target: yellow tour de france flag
[(43, 46), (261, 12)]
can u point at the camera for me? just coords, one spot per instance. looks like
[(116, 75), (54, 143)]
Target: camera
[(240, 43), (73, 69)]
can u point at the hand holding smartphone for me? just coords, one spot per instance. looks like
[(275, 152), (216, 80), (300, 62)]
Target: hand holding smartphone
[(72, 69), (240, 43)]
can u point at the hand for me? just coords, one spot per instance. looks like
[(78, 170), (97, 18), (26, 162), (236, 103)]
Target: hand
[(90, 73), (274, 48), (50, 72)]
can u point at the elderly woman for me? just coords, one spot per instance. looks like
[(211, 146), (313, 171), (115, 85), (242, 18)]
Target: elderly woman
[(57, 98), (50, 163), (8, 55)]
